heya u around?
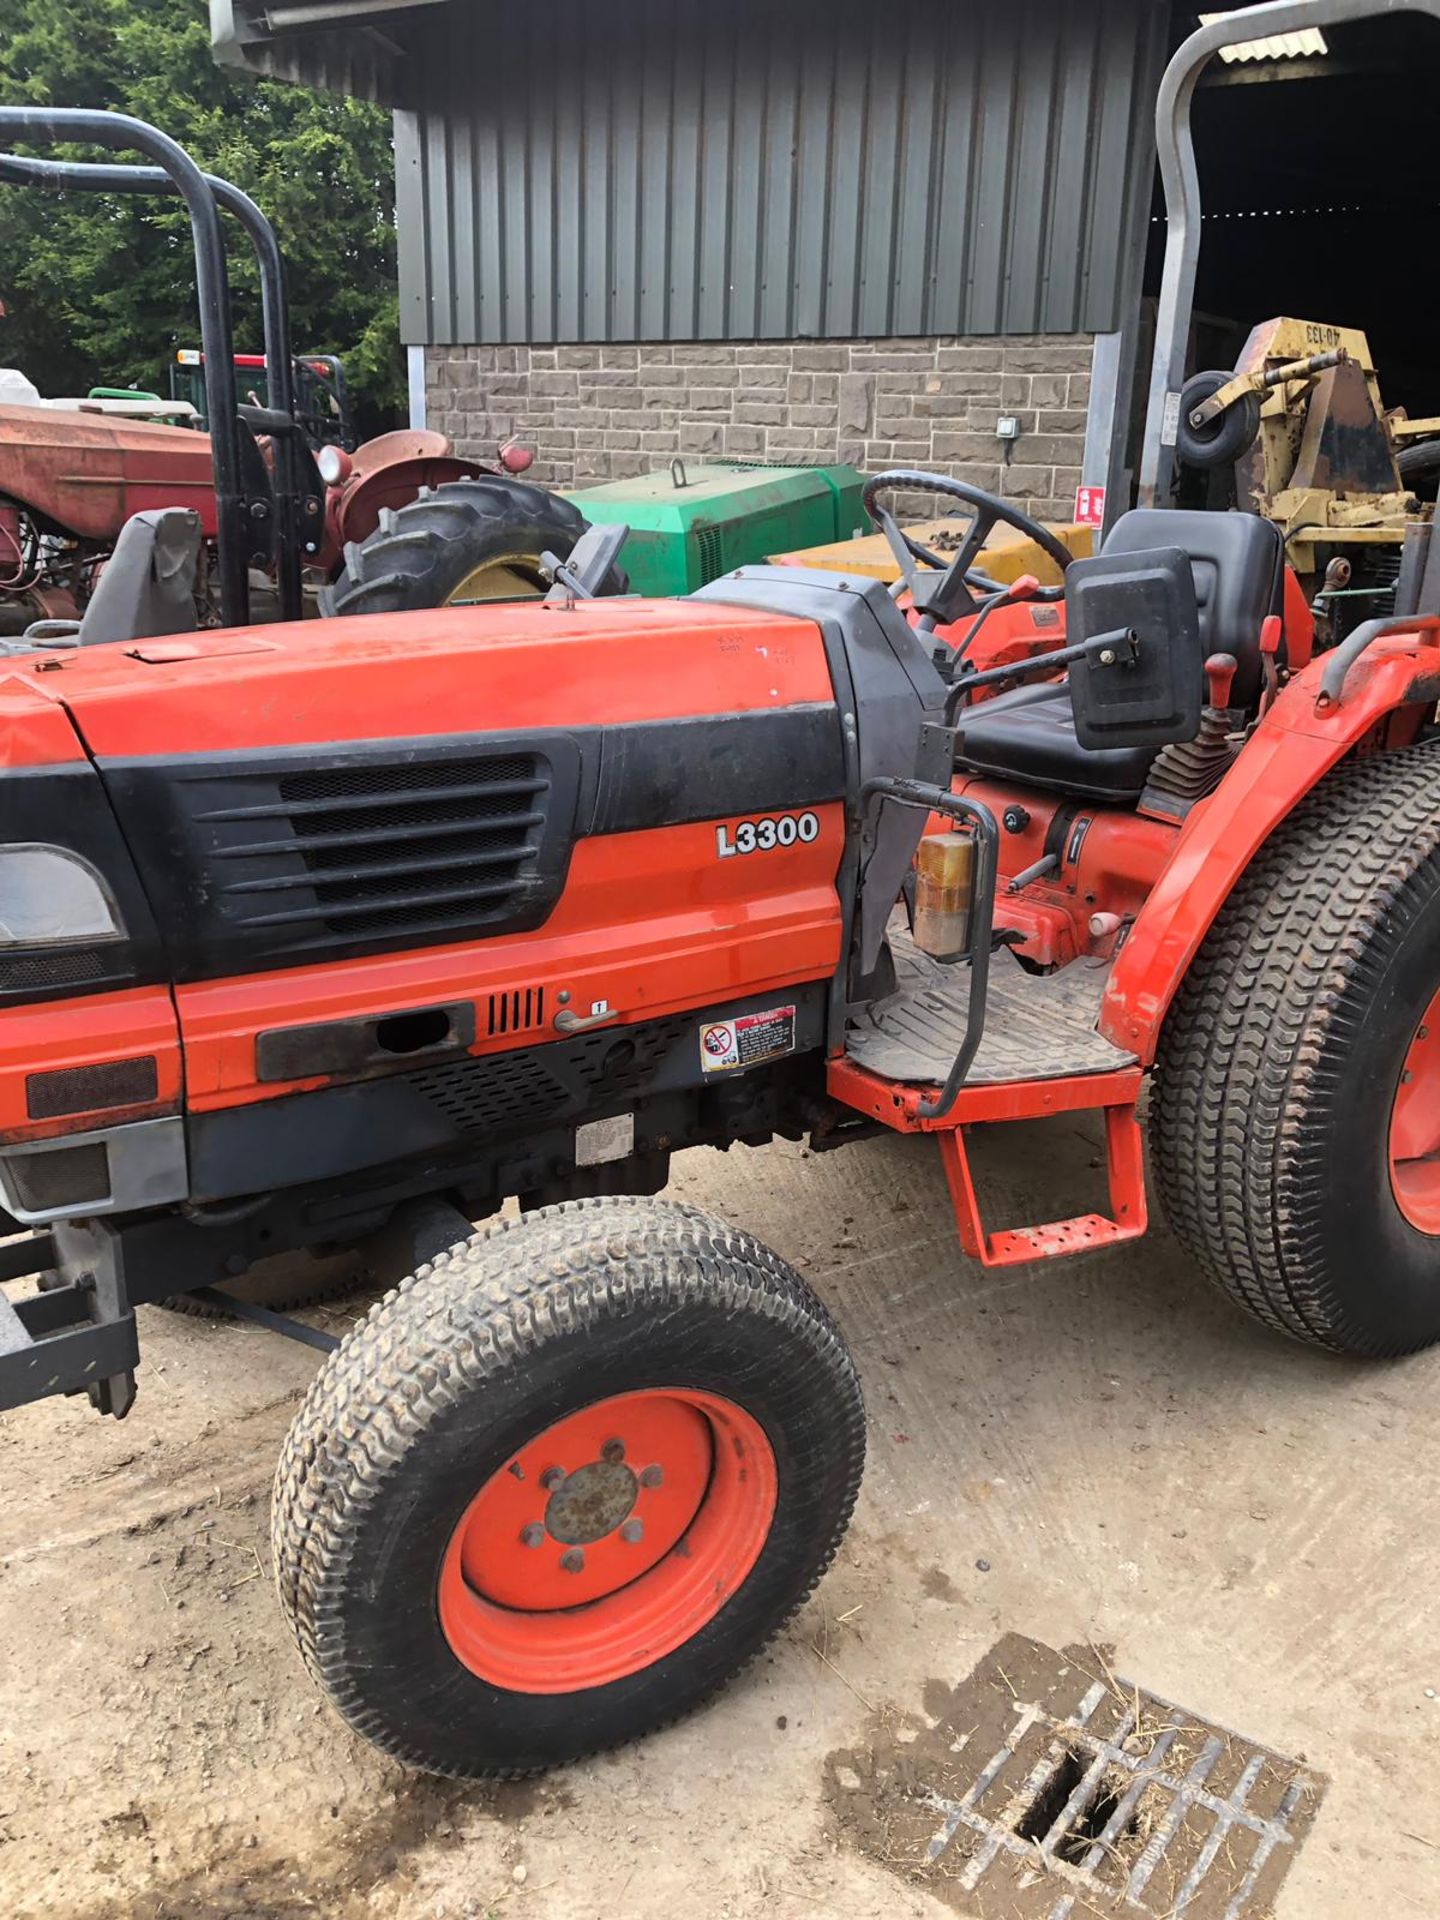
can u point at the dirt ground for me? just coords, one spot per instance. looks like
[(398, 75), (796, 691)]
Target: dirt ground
[(1093, 1452)]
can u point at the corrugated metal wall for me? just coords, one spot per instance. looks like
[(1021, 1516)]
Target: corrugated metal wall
[(733, 169)]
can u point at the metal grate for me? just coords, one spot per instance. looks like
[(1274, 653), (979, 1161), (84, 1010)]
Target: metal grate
[(91, 1088), (405, 848), (712, 560), (38, 970), (1051, 1789), (484, 1094)]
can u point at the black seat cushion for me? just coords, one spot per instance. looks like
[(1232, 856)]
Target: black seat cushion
[(1238, 561), (1030, 735)]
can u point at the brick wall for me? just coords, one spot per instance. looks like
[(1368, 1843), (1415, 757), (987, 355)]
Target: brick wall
[(605, 412)]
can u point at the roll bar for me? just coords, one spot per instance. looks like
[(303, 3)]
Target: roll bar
[(1175, 151), (52, 175), (202, 198)]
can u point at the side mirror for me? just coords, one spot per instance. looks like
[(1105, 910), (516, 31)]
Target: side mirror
[(1147, 687)]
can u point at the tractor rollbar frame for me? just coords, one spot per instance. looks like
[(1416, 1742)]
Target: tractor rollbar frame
[(56, 125), (96, 177), (1175, 151)]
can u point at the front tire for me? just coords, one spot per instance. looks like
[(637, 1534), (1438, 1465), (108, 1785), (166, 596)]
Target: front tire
[(1294, 1162), (562, 1484)]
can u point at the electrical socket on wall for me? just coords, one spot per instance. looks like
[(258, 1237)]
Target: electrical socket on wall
[(1007, 427)]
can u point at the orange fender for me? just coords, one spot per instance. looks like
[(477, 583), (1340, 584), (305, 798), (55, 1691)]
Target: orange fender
[(1290, 752)]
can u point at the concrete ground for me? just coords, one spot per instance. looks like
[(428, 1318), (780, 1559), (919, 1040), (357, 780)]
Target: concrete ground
[(1251, 1526)]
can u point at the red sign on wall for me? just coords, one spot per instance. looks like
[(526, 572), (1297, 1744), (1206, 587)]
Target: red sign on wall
[(1090, 506)]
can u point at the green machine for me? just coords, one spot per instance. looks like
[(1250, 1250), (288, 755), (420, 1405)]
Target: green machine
[(693, 521)]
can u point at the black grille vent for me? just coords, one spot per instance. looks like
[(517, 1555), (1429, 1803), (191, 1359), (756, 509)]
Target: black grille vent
[(38, 970), (519, 1011), (487, 1095), (387, 850), (90, 1089)]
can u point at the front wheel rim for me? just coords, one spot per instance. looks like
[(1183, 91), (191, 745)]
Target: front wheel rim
[(607, 1541), (1414, 1144)]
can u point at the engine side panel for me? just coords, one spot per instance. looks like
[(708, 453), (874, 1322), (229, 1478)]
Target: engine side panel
[(88, 473), (687, 856)]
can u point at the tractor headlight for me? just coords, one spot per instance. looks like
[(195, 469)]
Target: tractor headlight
[(335, 465), (51, 897)]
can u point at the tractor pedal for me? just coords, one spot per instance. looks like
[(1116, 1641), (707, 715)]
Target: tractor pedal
[(1013, 1246)]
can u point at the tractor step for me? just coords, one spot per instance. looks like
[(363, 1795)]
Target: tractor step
[(78, 1337), (1037, 1026), (1085, 1232), (1039, 1057)]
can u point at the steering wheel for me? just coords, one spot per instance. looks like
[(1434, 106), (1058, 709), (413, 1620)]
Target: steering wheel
[(940, 588)]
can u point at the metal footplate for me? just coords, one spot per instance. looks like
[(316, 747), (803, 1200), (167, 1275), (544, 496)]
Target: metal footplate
[(1039, 1056), (75, 1337)]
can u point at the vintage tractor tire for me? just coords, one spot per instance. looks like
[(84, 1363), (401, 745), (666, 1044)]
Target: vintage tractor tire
[(562, 1484), (1220, 442), (464, 541), (1299, 1068)]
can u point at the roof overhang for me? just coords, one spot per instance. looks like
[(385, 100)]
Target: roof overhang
[(357, 47)]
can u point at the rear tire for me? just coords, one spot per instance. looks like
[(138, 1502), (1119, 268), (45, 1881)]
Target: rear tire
[(444, 1401), (468, 540), (1280, 1067)]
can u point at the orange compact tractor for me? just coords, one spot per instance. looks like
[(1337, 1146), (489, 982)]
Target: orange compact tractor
[(310, 943)]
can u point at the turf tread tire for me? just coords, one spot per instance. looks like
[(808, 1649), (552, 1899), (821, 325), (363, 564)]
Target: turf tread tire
[(474, 1315), (1270, 1036)]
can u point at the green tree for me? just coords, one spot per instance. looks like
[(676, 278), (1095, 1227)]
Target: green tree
[(99, 289)]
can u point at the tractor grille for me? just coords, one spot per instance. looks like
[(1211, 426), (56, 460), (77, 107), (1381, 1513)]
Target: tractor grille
[(308, 853), (402, 849)]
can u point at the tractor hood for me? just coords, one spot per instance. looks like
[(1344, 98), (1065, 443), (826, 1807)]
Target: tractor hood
[(84, 474)]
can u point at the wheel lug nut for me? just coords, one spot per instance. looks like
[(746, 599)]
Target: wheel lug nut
[(551, 1478), (632, 1531), (613, 1451), (533, 1535), (573, 1561), (651, 1477)]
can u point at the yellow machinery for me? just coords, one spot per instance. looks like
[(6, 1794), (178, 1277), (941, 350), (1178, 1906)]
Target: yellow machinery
[(1303, 424), (1006, 555)]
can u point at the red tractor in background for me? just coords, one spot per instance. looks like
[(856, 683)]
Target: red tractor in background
[(281, 504), (310, 944)]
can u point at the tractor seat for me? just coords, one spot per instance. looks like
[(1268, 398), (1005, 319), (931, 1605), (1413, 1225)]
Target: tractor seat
[(1237, 560)]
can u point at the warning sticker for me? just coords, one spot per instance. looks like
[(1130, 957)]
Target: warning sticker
[(727, 1045)]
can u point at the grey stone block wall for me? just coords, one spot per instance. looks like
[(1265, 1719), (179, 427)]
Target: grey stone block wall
[(595, 413)]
